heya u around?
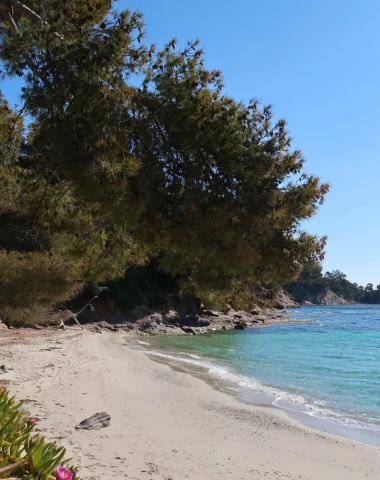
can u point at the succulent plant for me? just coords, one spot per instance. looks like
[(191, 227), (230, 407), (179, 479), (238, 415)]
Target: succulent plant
[(24, 454)]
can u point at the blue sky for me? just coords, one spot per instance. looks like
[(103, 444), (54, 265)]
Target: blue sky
[(318, 64)]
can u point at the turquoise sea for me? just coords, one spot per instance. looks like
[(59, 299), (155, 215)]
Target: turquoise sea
[(327, 371)]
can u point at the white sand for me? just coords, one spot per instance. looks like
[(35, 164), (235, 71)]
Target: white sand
[(165, 424)]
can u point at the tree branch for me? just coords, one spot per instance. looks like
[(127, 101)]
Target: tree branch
[(28, 60), (14, 7), (75, 315)]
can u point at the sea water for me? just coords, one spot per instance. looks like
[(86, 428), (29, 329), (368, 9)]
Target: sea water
[(327, 370)]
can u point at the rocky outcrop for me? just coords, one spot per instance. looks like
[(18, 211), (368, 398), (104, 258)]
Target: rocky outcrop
[(283, 300), (316, 295), (144, 322), (328, 297)]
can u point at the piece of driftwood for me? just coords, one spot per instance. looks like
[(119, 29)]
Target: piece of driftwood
[(95, 422), (74, 316)]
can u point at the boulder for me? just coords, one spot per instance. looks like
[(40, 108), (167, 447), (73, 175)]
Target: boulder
[(96, 422)]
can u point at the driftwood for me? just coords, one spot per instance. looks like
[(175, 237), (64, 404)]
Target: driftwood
[(96, 422), (74, 316)]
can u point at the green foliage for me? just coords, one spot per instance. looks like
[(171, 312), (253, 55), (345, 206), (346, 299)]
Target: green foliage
[(22, 452), (311, 280), (136, 156)]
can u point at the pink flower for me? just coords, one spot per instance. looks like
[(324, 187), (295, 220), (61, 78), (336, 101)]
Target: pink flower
[(63, 473), (34, 420)]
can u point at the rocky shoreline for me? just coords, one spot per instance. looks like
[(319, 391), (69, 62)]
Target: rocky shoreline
[(143, 321)]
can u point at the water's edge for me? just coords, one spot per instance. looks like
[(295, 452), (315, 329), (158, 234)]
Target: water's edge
[(249, 390)]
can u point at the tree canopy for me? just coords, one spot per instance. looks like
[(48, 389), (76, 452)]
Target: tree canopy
[(132, 155), (312, 280)]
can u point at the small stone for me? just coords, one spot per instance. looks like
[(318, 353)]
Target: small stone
[(3, 369)]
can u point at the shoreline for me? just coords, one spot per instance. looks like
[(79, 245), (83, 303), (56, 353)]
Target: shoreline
[(165, 424), (248, 396)]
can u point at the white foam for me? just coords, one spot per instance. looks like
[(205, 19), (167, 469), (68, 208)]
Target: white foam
[(281, 399), (194, 356), (141, 342)]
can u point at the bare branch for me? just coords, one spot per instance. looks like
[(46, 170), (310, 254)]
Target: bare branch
[(14, 7), (89, 304), (75, 315), (13, 23)]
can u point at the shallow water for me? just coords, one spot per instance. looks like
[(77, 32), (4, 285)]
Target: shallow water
[(328, 370)]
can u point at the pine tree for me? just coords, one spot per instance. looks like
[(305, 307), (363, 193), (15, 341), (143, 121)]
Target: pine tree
[(136, 155)]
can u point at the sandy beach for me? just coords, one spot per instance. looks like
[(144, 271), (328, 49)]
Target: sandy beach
[(165, 424)]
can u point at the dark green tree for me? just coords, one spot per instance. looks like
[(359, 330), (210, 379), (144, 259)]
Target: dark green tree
[(134, 155)]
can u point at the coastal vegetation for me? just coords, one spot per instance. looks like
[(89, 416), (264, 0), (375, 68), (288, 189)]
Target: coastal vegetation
[(123, 157), (311, 281), (25, 454)]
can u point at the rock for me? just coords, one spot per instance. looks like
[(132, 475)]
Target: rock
[(172, 316), (174, 330), (157, 317), (240, 314), (319, 295), (306, 303), (188, 330), (151, 323), (255, 310), (96, 422), (328, 297), (284, 301), (3, 369), (227, 327), (196, 321), (138, 313), (3, 326), (260, 319), (240, 325), (106, 326), (210, 313)]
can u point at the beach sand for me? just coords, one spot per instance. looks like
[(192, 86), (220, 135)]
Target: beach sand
[(165, 424)]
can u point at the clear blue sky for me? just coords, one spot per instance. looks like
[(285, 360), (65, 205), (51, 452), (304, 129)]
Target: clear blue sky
[(318, 64)]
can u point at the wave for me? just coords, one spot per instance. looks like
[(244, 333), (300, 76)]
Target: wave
[(283, 399)]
